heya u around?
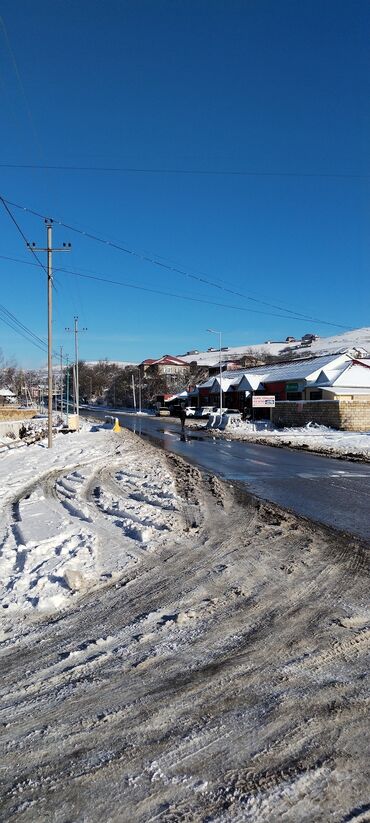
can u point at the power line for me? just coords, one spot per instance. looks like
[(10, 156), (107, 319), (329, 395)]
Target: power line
[(103, 279), (174, 171), (20, 328), (6, 207), (176, 270), (14, 328), (14, 319)]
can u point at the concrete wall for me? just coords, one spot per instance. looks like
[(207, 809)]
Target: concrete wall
[(349, 415)]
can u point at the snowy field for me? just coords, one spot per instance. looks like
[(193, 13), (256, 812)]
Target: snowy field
[(355, 339), (311, 437), (172, 649)]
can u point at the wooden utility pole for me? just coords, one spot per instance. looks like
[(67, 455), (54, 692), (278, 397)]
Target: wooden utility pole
[(49, 250)]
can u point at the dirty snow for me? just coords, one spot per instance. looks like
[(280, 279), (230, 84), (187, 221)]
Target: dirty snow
[(174, 650)]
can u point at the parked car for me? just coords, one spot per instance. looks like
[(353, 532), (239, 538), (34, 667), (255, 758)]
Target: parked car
[(233, 412), (191, 411), (203, 411), (163, 411)]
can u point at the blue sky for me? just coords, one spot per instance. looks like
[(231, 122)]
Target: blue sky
[(277, 88)]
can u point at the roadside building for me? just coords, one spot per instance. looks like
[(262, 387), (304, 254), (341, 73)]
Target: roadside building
[(165, 376), (332, 390), (7, 396), (167, 365)]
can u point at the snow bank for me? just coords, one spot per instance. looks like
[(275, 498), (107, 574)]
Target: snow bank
[(312, 436)]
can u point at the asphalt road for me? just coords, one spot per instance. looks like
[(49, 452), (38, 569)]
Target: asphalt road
[(329, 491)]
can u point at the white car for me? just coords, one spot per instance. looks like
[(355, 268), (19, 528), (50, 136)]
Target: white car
[(190, 411), (204, 411), (232, 412)]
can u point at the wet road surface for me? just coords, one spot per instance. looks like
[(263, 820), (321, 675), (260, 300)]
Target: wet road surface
[(333, 492)]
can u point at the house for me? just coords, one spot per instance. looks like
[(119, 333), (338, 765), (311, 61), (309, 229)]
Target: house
[(333, 390), (167, 365), (7, 396)]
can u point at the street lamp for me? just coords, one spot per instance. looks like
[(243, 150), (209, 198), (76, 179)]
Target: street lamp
[(212, 331)]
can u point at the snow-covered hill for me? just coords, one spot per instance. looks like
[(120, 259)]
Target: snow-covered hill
[(355, 339)]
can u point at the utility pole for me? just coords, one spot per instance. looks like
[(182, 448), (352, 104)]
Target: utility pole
[(133, 391), (61, 381), (212, 331), (67, 367), (49, 250), (76, 332)]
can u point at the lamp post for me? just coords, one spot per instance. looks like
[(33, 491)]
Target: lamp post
[(213, 331)]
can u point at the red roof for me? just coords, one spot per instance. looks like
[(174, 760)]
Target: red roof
[(166, 360)]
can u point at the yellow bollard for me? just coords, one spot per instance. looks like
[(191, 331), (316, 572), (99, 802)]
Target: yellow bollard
[(116, 427)]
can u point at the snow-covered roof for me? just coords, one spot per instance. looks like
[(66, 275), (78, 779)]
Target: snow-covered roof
[(166, 360), (348, 390), (182, 394), (300, 369), (6, 393), (354, 374), (305, 370)]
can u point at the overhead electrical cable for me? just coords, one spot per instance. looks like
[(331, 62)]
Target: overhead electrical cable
[(103, 279), (173, 171), (171, 268), (176, 270), (21, 232), (12, 321), (15, 328)]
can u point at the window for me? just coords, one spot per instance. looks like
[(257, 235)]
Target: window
[(316, 395)]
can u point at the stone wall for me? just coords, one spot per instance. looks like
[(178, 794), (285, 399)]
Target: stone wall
[(355, 415), (11, 413), (349, 415)]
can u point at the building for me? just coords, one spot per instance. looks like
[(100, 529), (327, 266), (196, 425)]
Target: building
[(333, 390), (167, 365), (7, 396)]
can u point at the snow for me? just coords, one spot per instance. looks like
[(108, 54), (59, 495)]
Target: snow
[(312, 436), (76, 515), (355, 339), (204, 659)]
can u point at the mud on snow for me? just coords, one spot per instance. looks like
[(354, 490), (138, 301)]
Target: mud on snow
[(173, 649)]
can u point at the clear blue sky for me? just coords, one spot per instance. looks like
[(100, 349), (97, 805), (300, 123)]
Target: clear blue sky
[(249, 85)]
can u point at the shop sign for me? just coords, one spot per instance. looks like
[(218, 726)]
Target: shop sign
[(268, 400)]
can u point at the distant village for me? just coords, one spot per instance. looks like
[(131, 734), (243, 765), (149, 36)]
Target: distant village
[(331, 389)]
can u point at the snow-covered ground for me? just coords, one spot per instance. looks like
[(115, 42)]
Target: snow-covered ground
[(311, 437), (358, 338), (173, 650), (76, 515)]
